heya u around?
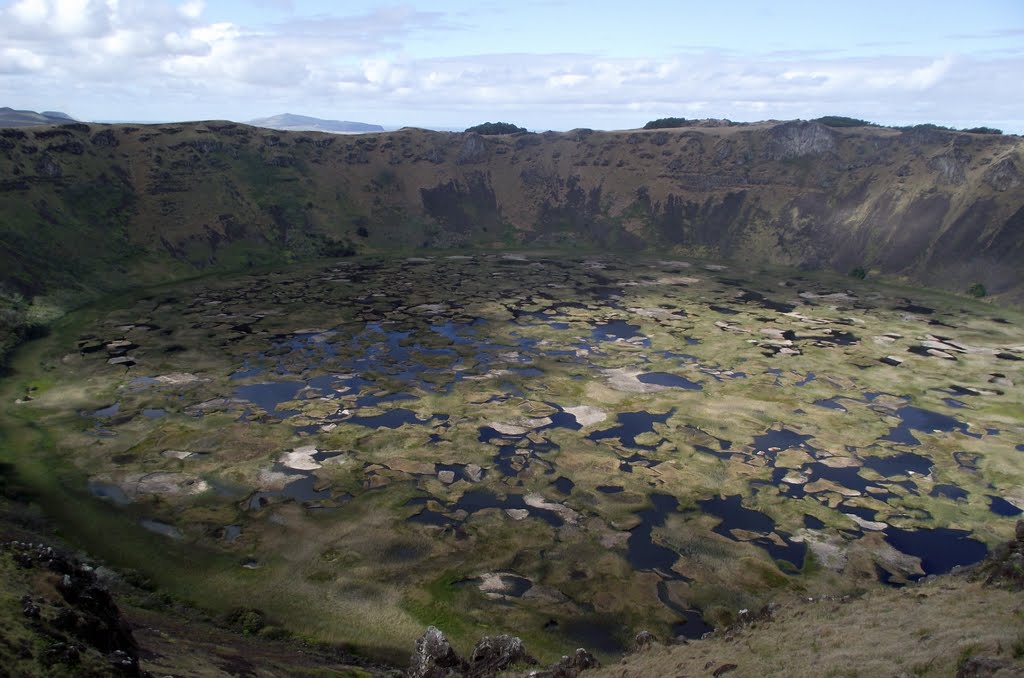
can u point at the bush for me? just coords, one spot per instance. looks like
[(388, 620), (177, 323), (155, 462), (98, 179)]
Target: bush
[(983, 130), (843, 121), (859, 273), (977, 290), (665, 123), (488, 128), (247, 621)]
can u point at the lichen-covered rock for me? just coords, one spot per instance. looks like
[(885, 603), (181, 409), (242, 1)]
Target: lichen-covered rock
[(569, 666), (435, 657), (497, 653)]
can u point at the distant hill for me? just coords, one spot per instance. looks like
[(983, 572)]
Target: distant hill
[(289, 122), (12, 118)]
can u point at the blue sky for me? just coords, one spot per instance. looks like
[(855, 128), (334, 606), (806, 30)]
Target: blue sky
[(544, 65)]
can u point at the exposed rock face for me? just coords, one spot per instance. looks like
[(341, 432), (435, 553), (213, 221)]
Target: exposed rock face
[(1004, 175), (930, 205), (798, 138), (473, 151)]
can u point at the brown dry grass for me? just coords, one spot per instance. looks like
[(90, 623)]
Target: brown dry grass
[(924, 630)]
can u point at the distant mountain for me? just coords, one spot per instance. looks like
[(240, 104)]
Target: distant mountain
[(12, 118), (289, 122)]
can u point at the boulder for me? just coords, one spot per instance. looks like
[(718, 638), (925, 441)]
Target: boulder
[(497, 653), (435, 657), (569, 666)]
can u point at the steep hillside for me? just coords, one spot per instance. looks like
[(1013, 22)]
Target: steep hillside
[(107, 205)]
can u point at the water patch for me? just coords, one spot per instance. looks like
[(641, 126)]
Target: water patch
[(395, 418), (109, 492), (269, 396), (830, 404), (613, 330), (670, 380), (949, 492), (917, 419), (940, 549), (1001, 507), (610, 489), (108, 411), (563, 485), (161, 528), (812, 523), (904, 463), (631, 425), (736, 517), (775, 440), (641, 550)]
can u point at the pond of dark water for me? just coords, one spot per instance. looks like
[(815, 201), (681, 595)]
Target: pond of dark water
[(109, 491), (830, 404), (631, 425), (780, 438), (736, 517), (940, 549), (391, 419), (1001, 507), (563, 485), (670, 380), (949, 492), (619, 329), (899, 464), (270, 395), (917, 419)]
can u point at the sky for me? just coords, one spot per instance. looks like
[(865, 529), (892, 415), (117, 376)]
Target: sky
[(555, 64)]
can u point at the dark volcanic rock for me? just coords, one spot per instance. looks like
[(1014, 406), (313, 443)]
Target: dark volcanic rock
[(983, 667), (105, 138)]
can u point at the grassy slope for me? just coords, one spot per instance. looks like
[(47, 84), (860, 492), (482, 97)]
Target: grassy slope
[(924, 630)]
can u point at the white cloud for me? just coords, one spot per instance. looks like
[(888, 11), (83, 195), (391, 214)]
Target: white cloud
[(163, 58)]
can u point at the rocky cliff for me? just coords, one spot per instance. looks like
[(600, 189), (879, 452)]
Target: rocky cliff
[(112, 205)]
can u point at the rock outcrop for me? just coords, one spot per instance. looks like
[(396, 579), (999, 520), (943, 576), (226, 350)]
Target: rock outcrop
[(75, 612), (434, 657), (1005, 565)]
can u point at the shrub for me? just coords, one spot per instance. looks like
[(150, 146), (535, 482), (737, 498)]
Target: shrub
[(859, 273), (246, 620), (977, 290), (983, 130), (843, 121), (664, 123), (496, 128)]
